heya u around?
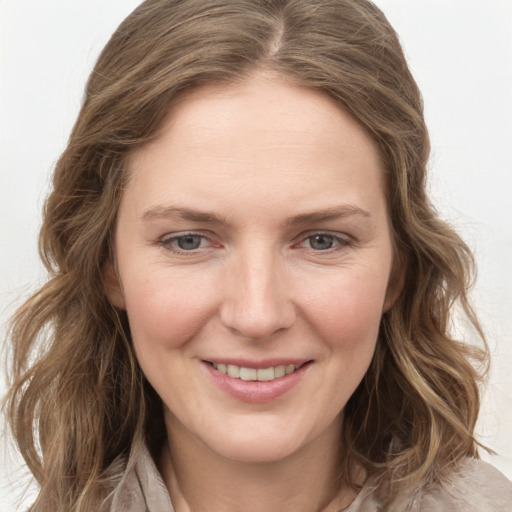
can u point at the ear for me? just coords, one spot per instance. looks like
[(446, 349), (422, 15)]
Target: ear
[(113, 286), (396, 281)]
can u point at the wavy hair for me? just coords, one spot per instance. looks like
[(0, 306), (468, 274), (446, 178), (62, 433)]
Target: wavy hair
[(78, 403)]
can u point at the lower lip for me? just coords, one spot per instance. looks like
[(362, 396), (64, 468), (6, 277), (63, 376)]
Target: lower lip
[(255, 391)]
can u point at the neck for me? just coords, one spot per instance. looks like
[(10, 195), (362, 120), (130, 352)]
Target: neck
[(199, 479)]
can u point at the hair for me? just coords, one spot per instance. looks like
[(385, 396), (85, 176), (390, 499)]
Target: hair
[(79, 404)]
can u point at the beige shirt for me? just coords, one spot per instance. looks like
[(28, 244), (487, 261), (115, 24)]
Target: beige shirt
[(478, 487)]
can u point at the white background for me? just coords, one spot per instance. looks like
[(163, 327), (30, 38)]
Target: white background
[(461, 54)]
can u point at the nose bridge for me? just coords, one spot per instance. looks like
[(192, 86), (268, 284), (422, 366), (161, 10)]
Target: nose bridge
[(257, 303)]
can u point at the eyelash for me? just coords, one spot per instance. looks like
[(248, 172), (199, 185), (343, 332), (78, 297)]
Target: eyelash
[(341, 242), (167, 242)]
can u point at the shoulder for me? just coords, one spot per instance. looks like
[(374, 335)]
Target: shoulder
[(475, 487)]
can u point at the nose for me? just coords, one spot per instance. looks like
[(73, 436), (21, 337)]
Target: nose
[(257, 301)]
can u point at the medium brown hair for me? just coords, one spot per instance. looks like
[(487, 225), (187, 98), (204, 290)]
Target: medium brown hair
[(78, 403)]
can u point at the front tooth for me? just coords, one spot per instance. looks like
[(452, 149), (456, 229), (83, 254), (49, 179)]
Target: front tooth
[(248, 373), (233, 371), (222, 368), (266, 374), (289, 369), (280, 371)]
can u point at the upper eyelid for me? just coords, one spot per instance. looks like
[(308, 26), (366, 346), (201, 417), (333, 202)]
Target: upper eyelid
[(325, 232), (183, 235), (335, 234), (166, 241), (180, 234), (209, 236)]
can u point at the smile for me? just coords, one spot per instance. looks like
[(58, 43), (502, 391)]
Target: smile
[(257, 382), (255, 374)]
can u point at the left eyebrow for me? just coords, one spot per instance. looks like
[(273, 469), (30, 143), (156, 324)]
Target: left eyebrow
[(325, 215)]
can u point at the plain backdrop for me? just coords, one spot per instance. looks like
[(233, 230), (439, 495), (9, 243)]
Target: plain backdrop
[(461, 54)]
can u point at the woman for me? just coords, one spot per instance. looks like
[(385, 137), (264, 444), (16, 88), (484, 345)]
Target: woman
[(250, 292)]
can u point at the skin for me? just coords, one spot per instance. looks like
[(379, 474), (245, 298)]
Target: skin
[(255, 155)]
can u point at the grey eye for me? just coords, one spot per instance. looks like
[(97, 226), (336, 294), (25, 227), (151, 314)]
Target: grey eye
[(321, 242), (189, 242)]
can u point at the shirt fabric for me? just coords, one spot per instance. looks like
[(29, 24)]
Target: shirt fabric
[(476, 487)]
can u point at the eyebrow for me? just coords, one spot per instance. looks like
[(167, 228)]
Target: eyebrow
[(183, 213), (328, 214), (165, 212)]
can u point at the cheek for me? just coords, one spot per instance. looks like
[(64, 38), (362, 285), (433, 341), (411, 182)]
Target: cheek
[(167, 310), (347, 310)]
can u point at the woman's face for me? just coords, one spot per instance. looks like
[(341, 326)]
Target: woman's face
[(253, 239)]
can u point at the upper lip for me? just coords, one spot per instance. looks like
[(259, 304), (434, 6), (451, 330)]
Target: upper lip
[(260, 363)]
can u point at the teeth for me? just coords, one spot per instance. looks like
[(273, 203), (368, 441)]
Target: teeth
[(248, 373), (279, 371), (253, 374), (289, 369), (234, 371), (266, 374)]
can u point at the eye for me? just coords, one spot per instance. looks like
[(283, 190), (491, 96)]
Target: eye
[(321, 242), (325, 242), (189, 242), (185, 242)]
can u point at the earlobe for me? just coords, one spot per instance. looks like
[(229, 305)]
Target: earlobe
[(396, 282), (113, 287)]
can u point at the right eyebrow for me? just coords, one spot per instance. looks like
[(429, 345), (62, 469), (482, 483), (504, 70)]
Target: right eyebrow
[(169, 212)]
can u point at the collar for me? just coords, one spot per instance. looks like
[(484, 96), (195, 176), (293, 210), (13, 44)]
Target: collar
[(141, 488)]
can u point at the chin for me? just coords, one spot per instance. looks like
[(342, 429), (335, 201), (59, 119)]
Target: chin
[(257, 450), (259, 443)]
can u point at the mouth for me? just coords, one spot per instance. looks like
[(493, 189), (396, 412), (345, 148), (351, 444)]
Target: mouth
[(256, 374), (257, 382)]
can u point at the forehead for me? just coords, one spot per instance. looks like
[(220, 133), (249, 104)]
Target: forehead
[(265, 103), (263, 137)]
